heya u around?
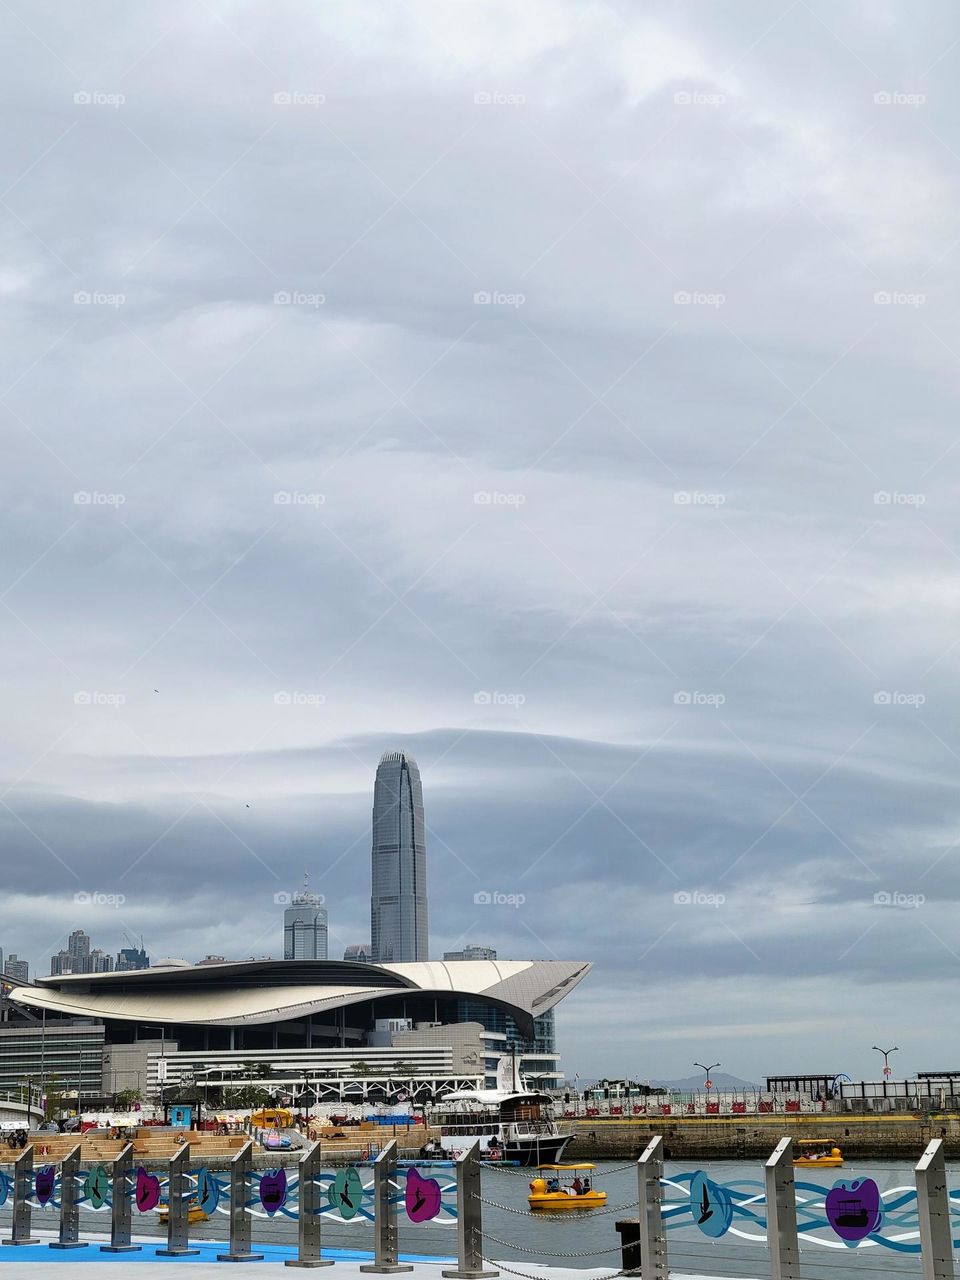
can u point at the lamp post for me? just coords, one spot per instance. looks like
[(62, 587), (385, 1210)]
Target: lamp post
[(708, 1083), (887, 1069)]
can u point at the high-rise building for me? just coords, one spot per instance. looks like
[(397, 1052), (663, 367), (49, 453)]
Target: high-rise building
[(14, 967), (132, 958), (359, 951), (305, 926), (398, 900), (78, 945), (472, 953), (100, 962)]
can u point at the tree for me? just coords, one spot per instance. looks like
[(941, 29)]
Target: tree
[(125, 1098)]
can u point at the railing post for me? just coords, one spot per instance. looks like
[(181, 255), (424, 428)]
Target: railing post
[(178, 1221), (22, 1190), (241, 1167), (121, 1208), (933, 1208), (782, 1213), (385, 1235), (69, 1208), (469, 1218), (653, 1237), (308, 1214)]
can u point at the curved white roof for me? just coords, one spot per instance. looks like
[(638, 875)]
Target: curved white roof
[(277, 990)]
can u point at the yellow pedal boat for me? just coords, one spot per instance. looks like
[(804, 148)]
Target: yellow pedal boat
[(819, 1156), (194, 1212), (554, 1190)]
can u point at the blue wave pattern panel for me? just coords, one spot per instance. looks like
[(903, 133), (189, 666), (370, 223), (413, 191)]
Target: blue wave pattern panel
[(851, 1213)]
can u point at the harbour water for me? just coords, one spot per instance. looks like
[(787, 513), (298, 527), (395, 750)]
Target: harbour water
[(591, 1239)]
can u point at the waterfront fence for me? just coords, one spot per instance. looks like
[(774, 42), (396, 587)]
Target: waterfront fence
[(681, 1218)]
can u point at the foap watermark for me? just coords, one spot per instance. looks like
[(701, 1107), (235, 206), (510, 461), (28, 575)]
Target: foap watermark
[(99, 899), (98, 698), (697, 498), (495, 498), (696, 298), (300, 898), (495, 698), (298, 98), (298, 298), (894, 898), (697, 98), (698, 698), (495, 898), (898, 298), (897, 698), (696, 898), (97, 98), (296, 698), (498, 298), (296, 498), (94, 498), (497, 98), (98, 298), (896, 98), (894, 498)]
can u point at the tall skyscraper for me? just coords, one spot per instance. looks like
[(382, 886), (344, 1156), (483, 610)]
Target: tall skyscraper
[(305, 926), (78, 945), (398, 901), (14, 967)]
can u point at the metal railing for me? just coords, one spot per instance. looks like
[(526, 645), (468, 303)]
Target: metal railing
[(776, 1212)]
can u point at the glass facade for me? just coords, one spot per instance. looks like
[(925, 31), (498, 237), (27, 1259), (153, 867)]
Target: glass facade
[(398, 901), (66, 1056), (305, 929)]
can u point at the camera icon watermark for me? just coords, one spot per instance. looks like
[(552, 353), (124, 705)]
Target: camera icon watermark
[(698, 698), (496, 98), (495, 698), (898, 298), (904, 901), (897, 698), (99, 899), (696, 898), (696, 298), (98, 298), (496, 898), (696, 98), (895, 98), (894, 498), (97, 98), (297, 98), (697, 498), (296, 698), (498, 298), (294, 498), (495, 498), (98, 698), (94, 498), (298, 298)]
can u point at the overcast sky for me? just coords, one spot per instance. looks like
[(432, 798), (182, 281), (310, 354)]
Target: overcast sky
[(566, 393)]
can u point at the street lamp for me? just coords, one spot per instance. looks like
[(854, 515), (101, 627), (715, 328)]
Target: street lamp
[(887, 1069), (708, 1083)]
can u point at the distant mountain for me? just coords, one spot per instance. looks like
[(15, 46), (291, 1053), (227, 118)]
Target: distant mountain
[(721, 1080)]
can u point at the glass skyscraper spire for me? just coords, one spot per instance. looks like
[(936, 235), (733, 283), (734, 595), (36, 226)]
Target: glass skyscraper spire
[(398, 901)]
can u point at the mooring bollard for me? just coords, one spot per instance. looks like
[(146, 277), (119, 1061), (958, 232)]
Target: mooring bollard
[(308, 1215), (469, 1219), (933, 1209), (241, 1167), (782, 1213), (22, 1190), (653, 1237), (69, 1207), (385, 1235), (178, 1211), (121, 1208)]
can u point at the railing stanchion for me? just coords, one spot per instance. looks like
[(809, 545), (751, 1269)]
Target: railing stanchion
[(22, 1190), (653, 1237), (385, 1235), (308, 1214), (121, 1207), (933, 1208), (69, 1208), (782, 1213), (241, 1167), (470, 1265), (178, 1211)]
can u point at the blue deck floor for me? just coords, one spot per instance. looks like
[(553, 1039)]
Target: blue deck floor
[(208, 1250)]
